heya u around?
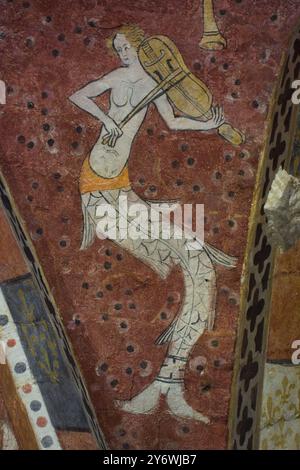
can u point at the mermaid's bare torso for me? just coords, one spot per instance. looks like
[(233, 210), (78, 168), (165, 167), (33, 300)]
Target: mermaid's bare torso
[(106, 161)]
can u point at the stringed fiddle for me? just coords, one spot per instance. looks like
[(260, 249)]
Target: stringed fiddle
[(162, 60)]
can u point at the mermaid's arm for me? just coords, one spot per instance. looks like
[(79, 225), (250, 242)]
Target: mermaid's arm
[(83, 98), (183, 123)]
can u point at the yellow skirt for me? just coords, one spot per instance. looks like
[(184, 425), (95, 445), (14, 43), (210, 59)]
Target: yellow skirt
[(89, 181)]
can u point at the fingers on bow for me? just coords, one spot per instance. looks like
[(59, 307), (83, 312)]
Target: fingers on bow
[(218, 114)]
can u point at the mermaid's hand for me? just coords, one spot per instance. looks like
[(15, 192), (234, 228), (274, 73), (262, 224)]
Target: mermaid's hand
[(217, 118), (113, 133)]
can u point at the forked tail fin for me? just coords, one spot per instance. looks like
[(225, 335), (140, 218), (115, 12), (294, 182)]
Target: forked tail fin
[(218, 257)]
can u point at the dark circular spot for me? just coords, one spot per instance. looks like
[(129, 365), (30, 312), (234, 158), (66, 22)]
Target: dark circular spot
[(92, 24), (206, 388), (185, 429), (197, 66), (57, 176), (213, 60), (237, 82), (130, 348), (35, 185), (105, 316), (234, 95), (274, 17), (55, 52), (118, 307), (107, 265), (30, 105), (196, 188), (44, 111), (231, 193), (170, 299), (109, 287), (217, 363), (123, 325), (10, 90), (242, 155), (39, 231), (104, 367), (3, 320), (99, 294), (179, 182), (86, 41), (21, 139), (228, 158), (232, 301), (26, 4), (30, 145), (126, 445), (50, 142), (184, 147), (29, 42), (231, 223), (163, 315), (225, 66), (119, 257), (74, 145), (46, 127), (78, 30), (150, 131), (190, 161), (47, 442), (132, 306), (35, 405), (215, 343), (60, 189), (218, 175), (78, 129), (77, 321), (142, 181), (255, 104), (241, 173), (20, 367), (128, 371), (30, 198), (216, 230), (128, 292), (175, 164), (143, 365), (114, 383), (85, 285), (44, 95), (63, 243), (61, 37), (223, 12), (108, 252), (152, 189), (200, 368), (48, 19)]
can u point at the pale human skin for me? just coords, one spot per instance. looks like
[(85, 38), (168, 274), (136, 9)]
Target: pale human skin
[(128, 85)]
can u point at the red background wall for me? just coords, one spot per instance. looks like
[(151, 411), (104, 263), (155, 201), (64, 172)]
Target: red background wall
[(50, 49)]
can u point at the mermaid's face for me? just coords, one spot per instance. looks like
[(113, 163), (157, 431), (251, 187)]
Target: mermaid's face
[(125, 50)]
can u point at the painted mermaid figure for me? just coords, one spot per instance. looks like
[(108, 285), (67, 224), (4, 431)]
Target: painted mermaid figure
[(104, 179)]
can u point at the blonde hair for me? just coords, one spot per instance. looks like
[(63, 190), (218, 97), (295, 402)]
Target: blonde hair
[(133, 34)]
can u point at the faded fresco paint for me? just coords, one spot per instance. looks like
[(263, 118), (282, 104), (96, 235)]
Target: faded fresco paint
[(113, 305)]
